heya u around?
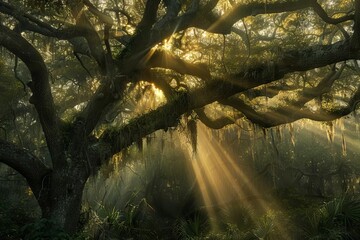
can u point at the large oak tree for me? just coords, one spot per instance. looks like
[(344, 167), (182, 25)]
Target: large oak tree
[(270, 62)]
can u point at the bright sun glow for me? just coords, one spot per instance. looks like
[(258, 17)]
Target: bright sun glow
[(151, 99), (167, 45), (159, 95)]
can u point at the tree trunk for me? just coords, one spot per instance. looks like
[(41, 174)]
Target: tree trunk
[(61, 197)]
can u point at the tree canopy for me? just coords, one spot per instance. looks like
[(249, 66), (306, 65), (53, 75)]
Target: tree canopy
[(82, 80)]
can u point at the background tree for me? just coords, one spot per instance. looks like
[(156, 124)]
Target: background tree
[(90, 68)]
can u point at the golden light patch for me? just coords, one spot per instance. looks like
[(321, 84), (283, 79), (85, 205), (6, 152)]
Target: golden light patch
[(222, 179)]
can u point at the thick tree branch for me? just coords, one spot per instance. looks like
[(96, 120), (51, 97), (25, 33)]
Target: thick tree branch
[(31, 23), (224, 23), (290, 113), (42, 97), (213, 123), (162, 118), (89, 117), (28, 20), (165, 59), (108, 22), (160, 82), (149, 16), (106, 19), (296, 110), (94, 42), (24, 162), (323, 87), (218, 89), (108, 92), (137, 50), (132, 58), (208, 21), (323, 15), (355, 39), (139, 44), (83, 29), (261, 119), (271, 91), (172, 10)]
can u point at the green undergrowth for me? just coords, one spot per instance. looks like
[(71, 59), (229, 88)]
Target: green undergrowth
[(298, 218)]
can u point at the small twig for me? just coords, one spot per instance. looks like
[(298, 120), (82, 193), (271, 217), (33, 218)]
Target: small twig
[(82, 64)]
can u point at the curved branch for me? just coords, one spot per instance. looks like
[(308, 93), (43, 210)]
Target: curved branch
[(139, 45), (261, 119), (172, 10), (24, 162), (200, 18), (203, 19), (323, 87), (211, 123), (83, 29), (117, 10), (165, 59), (160, 82), (163, 117), (107, 93), (217, 89), (295, 110), (27, 20), (94, 42), (42, 97), (243, 35), (106, 19), (224, 23), (324, 16), (271, 91), (149, 16), (31, 23)]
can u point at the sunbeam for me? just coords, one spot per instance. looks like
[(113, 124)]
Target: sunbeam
[(224, 182)]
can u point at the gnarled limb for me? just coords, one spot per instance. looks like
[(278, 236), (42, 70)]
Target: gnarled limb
[(28, 21), (83, 28), (323, 15), (160, 82), (213, 123), (166, 60), (224, 23), (31, 23), (42, 97), (106, 19), (296, 109), (219, 89), (172, 10), (25, 163)]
